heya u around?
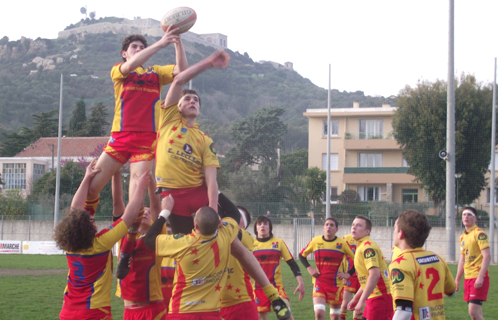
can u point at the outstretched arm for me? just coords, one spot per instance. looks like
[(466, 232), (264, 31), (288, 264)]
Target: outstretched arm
[(81, 194), (219, 59), (141, 57), (181, 58), (212, 186)]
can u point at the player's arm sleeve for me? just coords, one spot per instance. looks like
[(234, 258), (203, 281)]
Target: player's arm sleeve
[(347, 250), (482, 240), (352, 270), (294, 267), (154, 230), (226, 208), (209, 158), (304, 261), (116, 72), (165, 73), (108, 237), (449, 281)]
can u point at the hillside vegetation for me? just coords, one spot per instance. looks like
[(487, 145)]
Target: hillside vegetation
[(30, 72)]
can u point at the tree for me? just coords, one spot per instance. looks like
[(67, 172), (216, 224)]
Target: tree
[(77, 122), (45, 125), (295, 163), (316, 184), (257, 138), (420, 128), (96, 125)]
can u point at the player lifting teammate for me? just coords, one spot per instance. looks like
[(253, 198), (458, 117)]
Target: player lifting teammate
[(474, 262), (329, 252), (419, 278)]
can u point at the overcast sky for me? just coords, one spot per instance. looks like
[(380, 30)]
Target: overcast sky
[(373, 46)]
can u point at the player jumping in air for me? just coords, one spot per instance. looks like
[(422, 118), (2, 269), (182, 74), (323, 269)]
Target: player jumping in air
[(269, 251), (329, 251), (137, 92), (474, 262), (419, 278)]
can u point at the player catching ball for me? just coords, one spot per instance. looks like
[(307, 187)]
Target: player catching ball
[(419, 278), (474, 262)]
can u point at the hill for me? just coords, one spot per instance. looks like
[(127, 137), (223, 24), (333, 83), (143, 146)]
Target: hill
[(30, 72)]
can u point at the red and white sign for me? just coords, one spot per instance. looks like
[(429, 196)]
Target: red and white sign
[(10, 246)]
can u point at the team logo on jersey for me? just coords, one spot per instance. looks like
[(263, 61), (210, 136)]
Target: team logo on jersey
[(369, 253), (317, 289), (424, 313), (178, 235), (257, 301), (482, 236), (274, 245), (198, 282), (184, 130), (187, 148), (111, 140), (397, 276), (159, 179), (211, 147), (338, 246), (224, 223)]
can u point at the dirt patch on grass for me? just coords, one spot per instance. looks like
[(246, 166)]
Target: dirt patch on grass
[(29, 272)]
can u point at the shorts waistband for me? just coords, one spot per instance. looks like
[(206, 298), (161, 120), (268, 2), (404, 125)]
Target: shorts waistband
[(136, 305)]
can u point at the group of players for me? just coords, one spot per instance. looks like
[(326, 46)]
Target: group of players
[(202, 267)]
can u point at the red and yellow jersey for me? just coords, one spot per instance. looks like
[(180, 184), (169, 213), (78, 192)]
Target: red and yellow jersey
[(182, 152), (167, 278), (368, 255), (238, 288), (421, 277), (348, 262), (138, 97), (90, 271), (329, 256), (395, 253), (471, 244), (269, 254), (143, 282), (201, 267)]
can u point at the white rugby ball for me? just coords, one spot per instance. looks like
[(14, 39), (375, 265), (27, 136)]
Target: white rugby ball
[(182, 17)]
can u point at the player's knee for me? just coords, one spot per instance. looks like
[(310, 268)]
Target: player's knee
[(319, 311), (335, 311)]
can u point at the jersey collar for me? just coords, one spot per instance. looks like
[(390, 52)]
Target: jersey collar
[(471, 229), (264, 239), (365, 238), (335, 238)]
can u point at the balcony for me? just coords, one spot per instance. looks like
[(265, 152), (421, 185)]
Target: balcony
[(377, 175), (365, 141)]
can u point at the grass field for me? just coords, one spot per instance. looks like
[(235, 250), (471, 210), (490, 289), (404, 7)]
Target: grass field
[(32, 289)]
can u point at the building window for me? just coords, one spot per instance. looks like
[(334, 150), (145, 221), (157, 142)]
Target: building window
[(334, 128), (38, 171), (369, 159), (370, 193), (333, 195), (334, 161), (14, 175), (488, 195), (370, 129), (410, 195), (404, 163)]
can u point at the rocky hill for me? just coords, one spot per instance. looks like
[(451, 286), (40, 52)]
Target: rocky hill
[(30, 72)]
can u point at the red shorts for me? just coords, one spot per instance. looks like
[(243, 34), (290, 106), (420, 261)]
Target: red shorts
[(155, 311), (167, 294), (379, 308), (332, 294), (353, 285), (471, 293), (133, 146), (263, 303), (188, 200), (242, 311), (86, 314), (194, 316)]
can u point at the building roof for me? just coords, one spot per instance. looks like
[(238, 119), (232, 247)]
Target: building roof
[(70, 147)]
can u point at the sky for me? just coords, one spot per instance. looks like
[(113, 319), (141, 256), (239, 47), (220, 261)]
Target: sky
[(377, 47)]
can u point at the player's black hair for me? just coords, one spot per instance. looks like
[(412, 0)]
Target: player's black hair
[(260, 220), (335, 221)]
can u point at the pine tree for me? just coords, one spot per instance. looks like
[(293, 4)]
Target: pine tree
[(96, 125), (77, 122)]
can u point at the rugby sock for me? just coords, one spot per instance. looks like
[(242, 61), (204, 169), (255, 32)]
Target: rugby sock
[(343, 315), (270, 292), (91, 205)]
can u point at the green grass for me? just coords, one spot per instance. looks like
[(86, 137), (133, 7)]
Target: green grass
[(40, 296)]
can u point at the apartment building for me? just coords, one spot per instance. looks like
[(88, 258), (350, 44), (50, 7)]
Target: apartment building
[(364, 156)]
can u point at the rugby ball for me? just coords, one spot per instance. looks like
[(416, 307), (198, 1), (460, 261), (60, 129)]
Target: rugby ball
[(182, 17)]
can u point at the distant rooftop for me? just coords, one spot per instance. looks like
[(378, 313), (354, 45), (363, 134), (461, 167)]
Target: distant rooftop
[(71, 147)]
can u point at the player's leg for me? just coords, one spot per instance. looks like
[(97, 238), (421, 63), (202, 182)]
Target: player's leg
[(319, 305), (347, 296), (136, 170), (475, 309), (118, 206), (263, 315), (109, 166)]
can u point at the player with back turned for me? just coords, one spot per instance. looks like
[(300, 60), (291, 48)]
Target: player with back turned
[(474, 262), (419, 278)]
